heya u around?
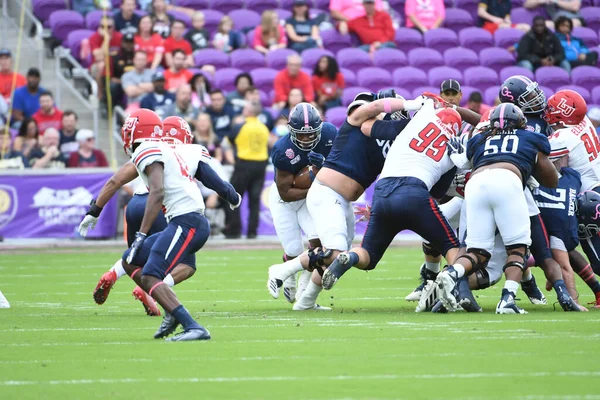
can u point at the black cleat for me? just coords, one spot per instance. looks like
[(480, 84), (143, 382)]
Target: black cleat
[(533, 292)]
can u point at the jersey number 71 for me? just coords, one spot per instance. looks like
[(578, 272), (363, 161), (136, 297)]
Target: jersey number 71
[(431, 141)]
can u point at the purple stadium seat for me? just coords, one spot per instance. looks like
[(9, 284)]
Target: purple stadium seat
[(195, 4), (212, 19), (349, 77), (596, 95), (440, 39), (310, 57), (244, 19), (420, 90), (461, 58), (507, 72), (591, 15), (64, 21), (247, 59), (587, 3), (425, 58), (496, 58), (183, 17), (353, 59), (522, 15), (581, 90), (552, 77), (226, 6), (283, 14), (265, 100), (507, 37), (44, 8), (439, 74), (336, 116), (92, 19), (288, 4), (480, 77), (225, 78), (261, 5), (407, 39), (457, 19), (316, 12), (404, 93), (249, 37), (277, 59), (490, 95), (475, 39), (468, 5), (322, 4), (410, 78), (350, 93), (389, 59), (586, 76), (73, 43), (547, 91), (589, 36), (466, 92), (263, 78), (596, 3), (334, 41), (374, 78), (211, 57)]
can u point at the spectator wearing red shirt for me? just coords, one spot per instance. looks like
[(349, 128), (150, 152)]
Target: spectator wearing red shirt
[(7, 73), (269, 35), (374, 29), (87, 156), (292, 77), (150, 43), (106, 28), (48, 116), (177, 42), (328, 83), (177, 75)]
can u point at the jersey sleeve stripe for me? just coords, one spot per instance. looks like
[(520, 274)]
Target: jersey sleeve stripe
[(146, 157), (559, 152), (146, 152)]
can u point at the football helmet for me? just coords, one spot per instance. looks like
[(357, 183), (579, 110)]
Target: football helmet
[(566, 106), (359, 100), (588, 214), (141, 125), (305, 126), (507, 117), (177, 131), (451, 119), (523, 92)]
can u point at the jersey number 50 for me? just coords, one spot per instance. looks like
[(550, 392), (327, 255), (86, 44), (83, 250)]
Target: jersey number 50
[(431, 141), (491, 145)]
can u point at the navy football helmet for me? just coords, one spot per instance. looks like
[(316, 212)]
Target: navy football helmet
[(305, 125), (588, 214), (523, 92), (507, 117)]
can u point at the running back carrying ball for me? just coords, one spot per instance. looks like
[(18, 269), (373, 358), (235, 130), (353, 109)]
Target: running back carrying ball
[(303, 179)]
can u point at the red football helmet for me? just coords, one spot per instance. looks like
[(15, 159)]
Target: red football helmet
[(177, 131), (566, 106), (451, 119), (141, 125), (486, 116)]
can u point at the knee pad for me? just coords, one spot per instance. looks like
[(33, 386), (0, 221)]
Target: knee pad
[(479, 253), (429, 250), (510, 251), (294, 248), (316, 258), (483, 278)]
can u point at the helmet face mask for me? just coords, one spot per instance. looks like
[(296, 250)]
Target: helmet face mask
[(305, 126), (142, 125), (305, 139), (588, 214), (523, 92)]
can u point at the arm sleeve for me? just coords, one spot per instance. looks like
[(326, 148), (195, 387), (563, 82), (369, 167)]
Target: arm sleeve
[(388, 130), (211, 180)]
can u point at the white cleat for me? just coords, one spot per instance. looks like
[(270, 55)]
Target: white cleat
[(3, 302), (507, 304), (414, 296), (429, 296), (274, 286), (446, 284), (289, 289), (314, 307)]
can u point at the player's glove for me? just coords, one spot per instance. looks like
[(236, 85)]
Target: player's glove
[(136, 246), (387, 93), (439, 102), (364, 212), (90, 219), (316, 159), (455, 146), (239, 203)]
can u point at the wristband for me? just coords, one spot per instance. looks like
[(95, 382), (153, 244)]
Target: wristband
[(387, 108), (94, 210)]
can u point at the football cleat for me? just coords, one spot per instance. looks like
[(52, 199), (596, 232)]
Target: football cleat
[(426, 275), (446, 282), (531, 289), (274, 286), (189, 335), (167, 326), (507, 304), (465, 297), (315, 307), (3, 302), (103, 287), (147, 301), (439, 308), (305, 277), (597, 302), (429, 296), (567, 303), (334, 272), (289, 289)]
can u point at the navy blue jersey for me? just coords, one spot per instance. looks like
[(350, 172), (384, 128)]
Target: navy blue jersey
[(360, 157), (557, 207), (520, 148), (288, 157), (535, 123)]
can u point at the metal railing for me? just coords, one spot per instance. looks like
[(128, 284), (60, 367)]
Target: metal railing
[(35, 43), (118, 115)]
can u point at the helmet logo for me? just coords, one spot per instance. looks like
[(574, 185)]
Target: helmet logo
[(597, 212), (564, 108), (185, 126), (507, 93), (130, 124), (289, 153), (172, 132), (157, 131)]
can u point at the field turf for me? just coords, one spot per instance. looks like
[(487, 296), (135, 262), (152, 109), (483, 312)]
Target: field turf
[(56, 343)]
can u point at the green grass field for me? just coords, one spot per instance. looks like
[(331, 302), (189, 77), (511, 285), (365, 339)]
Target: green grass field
[(56, 343)]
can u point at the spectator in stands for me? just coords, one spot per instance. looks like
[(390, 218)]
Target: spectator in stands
[(27, 138), (198, 37), (7, 74), (253, 95), (451, 92), (68, 142), (243, 82), (541, 48), (159, 97), (106, 29), (475, 103), (126, 20), (48, 155), (151, 43), (281, 127), (160, 18), (494, 14), (138, 82), (221, 113), (182, 107), (576, 52), (177, 74), (344, 11), (204, 134), (302, 31), (177, 42), (48, 116), (88, 156), (594, 116), (120, 64), (9, 158), (558, 8), (424, 14), (295, 97), (375, 29), (227, 39), (85, 6), (328, 83), (201, 90), (26, 100), (269, 35), (251, 143), (289, 78), (3, 110)]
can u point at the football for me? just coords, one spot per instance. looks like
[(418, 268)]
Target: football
[(302, 179)]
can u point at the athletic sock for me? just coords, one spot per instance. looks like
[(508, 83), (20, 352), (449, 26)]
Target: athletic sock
[(184, 318), (169, 280), (118, 269), (460, 270), (302, 283), (588, 276), (309, 297), (287, 269), (527, 275), (432, 266), (511, 286), (353, 258), (560, 287)]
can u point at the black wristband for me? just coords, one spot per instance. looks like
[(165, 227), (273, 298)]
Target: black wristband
[(94, 210)]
